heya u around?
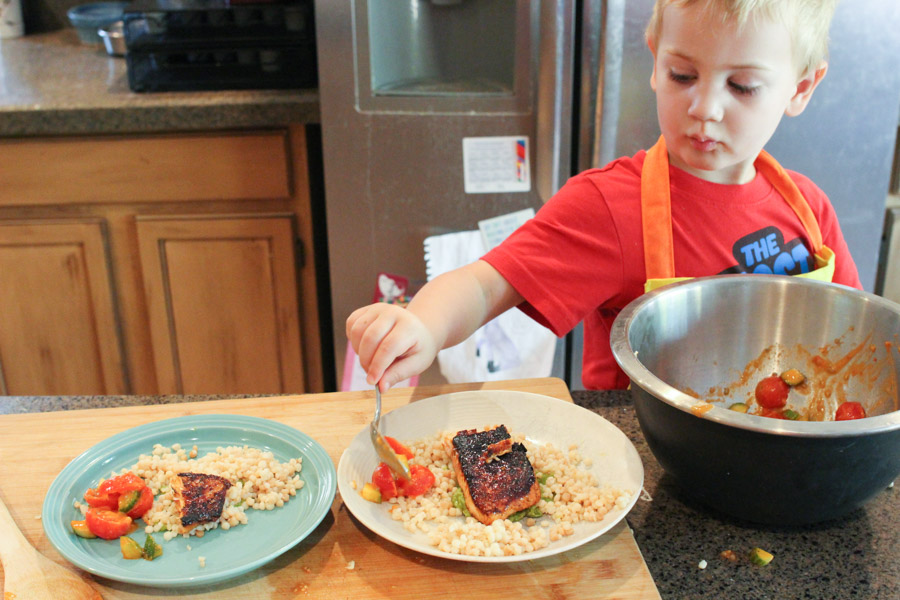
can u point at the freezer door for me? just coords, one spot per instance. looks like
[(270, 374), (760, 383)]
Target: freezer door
[(402, 84)]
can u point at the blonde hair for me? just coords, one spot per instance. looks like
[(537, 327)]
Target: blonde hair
[(807, 21)]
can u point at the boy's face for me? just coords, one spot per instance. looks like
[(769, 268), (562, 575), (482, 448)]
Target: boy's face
[(721, 93)]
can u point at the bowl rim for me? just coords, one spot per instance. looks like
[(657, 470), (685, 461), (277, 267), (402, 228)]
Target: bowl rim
[(88, 12), (643, 378)]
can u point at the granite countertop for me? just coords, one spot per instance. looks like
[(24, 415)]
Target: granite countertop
[(52, 84), (857, 556)]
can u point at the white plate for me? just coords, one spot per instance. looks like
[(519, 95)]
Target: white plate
[(541, 419)]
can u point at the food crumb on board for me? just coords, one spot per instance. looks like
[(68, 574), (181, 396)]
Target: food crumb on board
[(201, 560), (188, 546), (37, 517), (729, 555), (701, 564), (351, 565)]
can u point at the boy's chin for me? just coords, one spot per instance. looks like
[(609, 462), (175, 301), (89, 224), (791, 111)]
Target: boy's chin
[(715, 167)]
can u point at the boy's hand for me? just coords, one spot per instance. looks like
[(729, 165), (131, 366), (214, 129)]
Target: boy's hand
[(392, 343)]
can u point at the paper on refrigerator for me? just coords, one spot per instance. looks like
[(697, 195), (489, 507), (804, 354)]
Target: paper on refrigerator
[(511, 346)]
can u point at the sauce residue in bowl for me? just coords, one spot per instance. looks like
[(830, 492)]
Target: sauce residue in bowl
[(862, 374)]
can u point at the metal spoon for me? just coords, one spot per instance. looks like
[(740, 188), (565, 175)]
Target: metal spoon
[(384, 450)]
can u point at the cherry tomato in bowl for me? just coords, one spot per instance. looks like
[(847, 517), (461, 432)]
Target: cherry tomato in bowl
[(772, 392), (848, 411)]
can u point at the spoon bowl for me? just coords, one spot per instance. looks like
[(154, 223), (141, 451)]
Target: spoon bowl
[(384, 450), (29, 574)]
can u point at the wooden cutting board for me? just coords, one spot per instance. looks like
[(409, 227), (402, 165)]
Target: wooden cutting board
[(34, 448)]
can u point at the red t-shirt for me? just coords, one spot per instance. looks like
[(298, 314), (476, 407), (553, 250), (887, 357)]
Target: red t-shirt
[(582, 256)]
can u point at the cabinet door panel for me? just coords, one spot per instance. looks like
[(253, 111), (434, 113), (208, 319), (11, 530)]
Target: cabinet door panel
[(222, 301), (58, 331)]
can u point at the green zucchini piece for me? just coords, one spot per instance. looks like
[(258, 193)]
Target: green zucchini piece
[(130, 548), (760, 557), (128, 500), (151, 549), (81, 530), (793, 377)]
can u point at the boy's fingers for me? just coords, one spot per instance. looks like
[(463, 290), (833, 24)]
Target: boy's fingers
[(402, 369), (370, 345), (359, 319), (391, 345)]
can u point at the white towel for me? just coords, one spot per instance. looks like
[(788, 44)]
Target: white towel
[(512, 346)]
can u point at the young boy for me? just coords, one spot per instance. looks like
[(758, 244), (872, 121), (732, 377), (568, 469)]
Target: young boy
[(705, 200)]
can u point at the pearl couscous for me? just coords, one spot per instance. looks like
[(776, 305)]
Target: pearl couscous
[(259, 481), (570, 495)]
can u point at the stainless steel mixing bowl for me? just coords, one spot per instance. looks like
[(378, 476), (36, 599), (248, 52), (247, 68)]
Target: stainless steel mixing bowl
[(680, 341)]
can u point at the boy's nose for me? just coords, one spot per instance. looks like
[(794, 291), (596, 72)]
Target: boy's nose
[(706, 105)]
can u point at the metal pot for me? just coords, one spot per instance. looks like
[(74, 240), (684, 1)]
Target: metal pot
[(682, 340)]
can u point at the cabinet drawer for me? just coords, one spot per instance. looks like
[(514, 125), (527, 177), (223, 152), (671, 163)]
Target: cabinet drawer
[(165, 168)]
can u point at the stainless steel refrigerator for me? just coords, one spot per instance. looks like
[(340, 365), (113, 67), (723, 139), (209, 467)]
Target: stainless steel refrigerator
[(404, 82)]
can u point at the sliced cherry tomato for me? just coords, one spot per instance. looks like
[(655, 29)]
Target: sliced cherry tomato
[(772, 413), (384, 481), (121, 484), (108, 524), (420, 481), (772, 392), (144, 503), (98, 499), (849, 411), (399, 447)]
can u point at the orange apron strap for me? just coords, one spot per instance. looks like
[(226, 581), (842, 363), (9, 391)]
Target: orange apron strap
[(656, 213), (781, 181)]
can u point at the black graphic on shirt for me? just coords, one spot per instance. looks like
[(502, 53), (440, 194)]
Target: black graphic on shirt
[(765, 252)]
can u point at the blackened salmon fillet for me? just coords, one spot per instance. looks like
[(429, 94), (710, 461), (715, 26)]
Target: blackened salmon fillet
[(199, 497), (495, 475)]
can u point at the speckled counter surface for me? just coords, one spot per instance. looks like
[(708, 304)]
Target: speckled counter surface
[(51, 84), (857, 556)]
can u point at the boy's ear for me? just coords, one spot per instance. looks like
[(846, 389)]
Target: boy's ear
[(805, 89), (653, 73)]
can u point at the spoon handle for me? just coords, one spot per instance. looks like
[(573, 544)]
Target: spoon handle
[(12, 540)]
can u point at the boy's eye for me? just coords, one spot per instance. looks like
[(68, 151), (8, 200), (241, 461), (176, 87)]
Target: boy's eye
[(680, 77), (744, 90)]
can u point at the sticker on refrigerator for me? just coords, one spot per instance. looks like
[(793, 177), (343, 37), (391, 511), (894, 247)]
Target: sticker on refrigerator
[(496, 164)]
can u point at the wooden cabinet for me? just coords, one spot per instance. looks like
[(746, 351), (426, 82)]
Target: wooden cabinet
[(222, 303), (58, 327), (158, 264)]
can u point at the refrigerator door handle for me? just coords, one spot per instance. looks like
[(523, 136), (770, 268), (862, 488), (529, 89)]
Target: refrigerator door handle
[(600, 67), (603, 29), (553, 154)]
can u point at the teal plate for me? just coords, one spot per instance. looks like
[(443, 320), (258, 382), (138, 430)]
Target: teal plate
[(267, 534)]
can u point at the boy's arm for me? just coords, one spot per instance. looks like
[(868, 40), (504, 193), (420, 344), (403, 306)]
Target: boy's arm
[(394, 343)]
